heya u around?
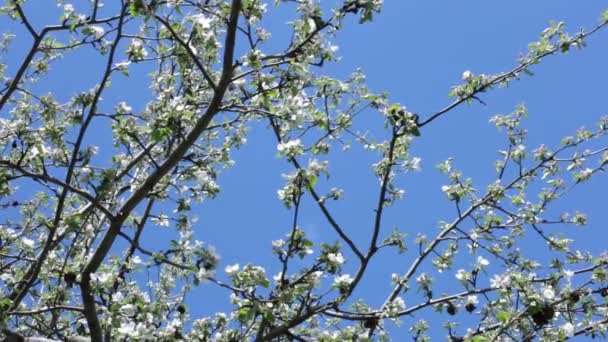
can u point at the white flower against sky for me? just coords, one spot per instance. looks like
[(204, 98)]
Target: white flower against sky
[(97, 31), (568, 274), (548, 293), (136, 50), (585, 174), (135, 331), (308, 7), (127, 328), (481, 261), (128, 310), (415, 164), (291, 145), (232, 269), (68, 9), (28, 242), (500, 281), (568, 329), (202, 21), (122, 66), (423, 279), (394, 307), (335, 258), (278, 244), (118, 297), (343, 281), (400, 303), (395, 278), (6, 277), (472, 300), (262, 34), (315, 278), (161, 220), (101, 277), (123, 108), (204, 273), (461, 274), (467, 76), (38, 151), (202, 176)]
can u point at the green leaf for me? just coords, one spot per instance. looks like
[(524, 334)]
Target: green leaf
[(134, 9), (312, 180), (503, 316)]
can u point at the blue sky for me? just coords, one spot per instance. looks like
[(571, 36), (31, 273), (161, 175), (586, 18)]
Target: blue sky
[(415, 50)]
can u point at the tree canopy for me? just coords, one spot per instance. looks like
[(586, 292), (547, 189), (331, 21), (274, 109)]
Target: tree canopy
[(101, 186)]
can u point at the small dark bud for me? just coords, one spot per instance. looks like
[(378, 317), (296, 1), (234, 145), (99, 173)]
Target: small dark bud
[(451, 309), (538, 318), (69, 278), (470, 307), (543, 315), (574, 297), (370, 323)]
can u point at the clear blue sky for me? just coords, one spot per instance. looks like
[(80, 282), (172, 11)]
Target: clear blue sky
[(415, 50)]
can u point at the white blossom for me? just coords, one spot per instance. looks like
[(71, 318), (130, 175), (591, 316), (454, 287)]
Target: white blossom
[(204, 273), (232, 269), (123, 108), (335, 258), (291, 147), (548, 293), (6, 277), (68, 9), (102, 278), (472, 300), (97, 31), (395, 278), (161, 220), (118, 297), (462, 275), (500, 281), (277, 277), (568, 329), (28, 242), (393, 308), (128, 310), (342, 281), (568, 274), (202, 21), (481, 261)]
